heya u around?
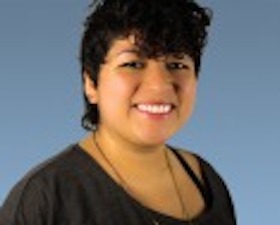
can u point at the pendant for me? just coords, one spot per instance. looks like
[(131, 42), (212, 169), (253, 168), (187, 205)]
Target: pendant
[(156, 222)]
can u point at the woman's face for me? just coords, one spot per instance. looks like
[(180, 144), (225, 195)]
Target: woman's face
[(140, 100)]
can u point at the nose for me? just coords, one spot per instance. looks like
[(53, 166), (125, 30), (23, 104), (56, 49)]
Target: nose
[(157, 77)]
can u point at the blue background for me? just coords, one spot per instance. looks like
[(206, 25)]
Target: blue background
[(236, 123)]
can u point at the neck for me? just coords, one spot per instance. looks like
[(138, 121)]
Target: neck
[(130, 155)]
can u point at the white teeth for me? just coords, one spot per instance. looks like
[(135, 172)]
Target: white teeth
[(156, 109)]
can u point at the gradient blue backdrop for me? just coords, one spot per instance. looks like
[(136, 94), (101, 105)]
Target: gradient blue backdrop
[(236, 123)]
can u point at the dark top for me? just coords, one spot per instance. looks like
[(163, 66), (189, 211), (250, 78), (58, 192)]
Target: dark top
[(73, 189)]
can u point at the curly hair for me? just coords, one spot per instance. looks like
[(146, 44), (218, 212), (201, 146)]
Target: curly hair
[(160, 27)]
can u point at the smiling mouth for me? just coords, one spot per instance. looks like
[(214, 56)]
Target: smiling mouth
[(155, 108)]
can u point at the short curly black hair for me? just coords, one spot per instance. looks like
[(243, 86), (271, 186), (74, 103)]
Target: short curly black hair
[(161, 27)]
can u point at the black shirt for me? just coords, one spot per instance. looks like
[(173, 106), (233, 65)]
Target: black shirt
[(73, 189)]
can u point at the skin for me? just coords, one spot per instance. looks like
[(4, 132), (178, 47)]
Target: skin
[(143, 102)]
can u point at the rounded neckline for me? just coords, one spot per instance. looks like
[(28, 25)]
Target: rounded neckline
[(203, 215)]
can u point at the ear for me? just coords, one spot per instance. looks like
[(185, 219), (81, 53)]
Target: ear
[(90, 89)]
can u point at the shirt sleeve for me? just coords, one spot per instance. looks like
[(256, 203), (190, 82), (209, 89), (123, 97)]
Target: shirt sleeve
[(26, 204)]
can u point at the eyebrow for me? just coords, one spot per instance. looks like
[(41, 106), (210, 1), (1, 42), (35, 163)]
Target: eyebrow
[(129, 50), (138, 53), (132, 51)]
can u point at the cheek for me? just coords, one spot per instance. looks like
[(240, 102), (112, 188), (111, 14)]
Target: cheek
[(188, 95), (191, 91), (188, 87), (116, 89)]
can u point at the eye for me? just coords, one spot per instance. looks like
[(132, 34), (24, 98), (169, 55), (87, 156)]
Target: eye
[(133, 65), (176, 66)]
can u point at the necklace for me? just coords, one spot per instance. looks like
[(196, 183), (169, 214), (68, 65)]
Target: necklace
[(124, 184)]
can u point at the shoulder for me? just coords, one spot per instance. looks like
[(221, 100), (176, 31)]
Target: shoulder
[(51, 167), (215, 185), (47, 170), (203, 169), (31, 195), (193, 161), (197, 163)]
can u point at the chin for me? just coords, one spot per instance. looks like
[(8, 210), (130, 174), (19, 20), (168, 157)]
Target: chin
[(153, 139)]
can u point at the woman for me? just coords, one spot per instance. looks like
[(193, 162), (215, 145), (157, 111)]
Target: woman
[(140, 63)]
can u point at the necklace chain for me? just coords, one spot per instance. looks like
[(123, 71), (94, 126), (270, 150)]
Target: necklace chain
[(124, 184), (175, 183)]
